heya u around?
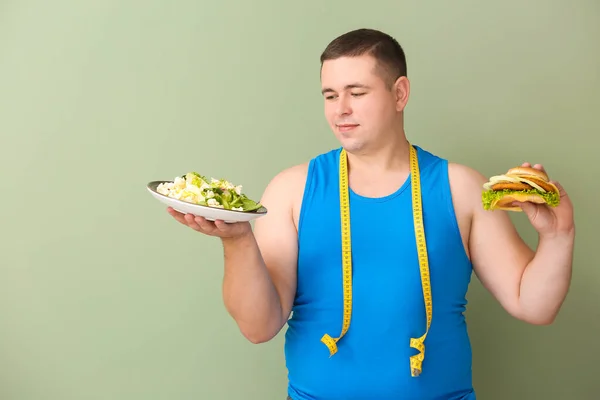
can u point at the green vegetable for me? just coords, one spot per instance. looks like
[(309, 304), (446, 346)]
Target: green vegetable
[(198, 189), (489, 196)]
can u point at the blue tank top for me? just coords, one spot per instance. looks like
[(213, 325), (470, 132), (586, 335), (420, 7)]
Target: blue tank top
[(372, 362)]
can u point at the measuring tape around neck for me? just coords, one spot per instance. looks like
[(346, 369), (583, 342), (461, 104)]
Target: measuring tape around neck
[(416, 360)]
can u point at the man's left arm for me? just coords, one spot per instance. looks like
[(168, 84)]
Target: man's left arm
[(531, 286)]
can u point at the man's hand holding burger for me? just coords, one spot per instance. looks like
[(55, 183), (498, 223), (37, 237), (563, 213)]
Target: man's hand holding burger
[(528, 188)]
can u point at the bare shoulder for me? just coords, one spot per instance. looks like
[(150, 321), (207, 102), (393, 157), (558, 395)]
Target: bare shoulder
[(465, 180), (284, 192), (289, 178), (466, 184)]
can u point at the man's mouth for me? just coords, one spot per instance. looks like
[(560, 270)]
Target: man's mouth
[(346, 127)]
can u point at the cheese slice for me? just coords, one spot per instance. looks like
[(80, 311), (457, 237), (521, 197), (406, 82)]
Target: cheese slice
[(504, 178)]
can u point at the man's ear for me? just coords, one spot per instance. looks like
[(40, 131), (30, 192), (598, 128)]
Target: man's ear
[(401, 90)]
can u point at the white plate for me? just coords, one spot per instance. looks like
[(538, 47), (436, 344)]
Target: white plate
[(210, 213)]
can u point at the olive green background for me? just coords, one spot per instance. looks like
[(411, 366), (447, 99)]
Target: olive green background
[(104, 296)]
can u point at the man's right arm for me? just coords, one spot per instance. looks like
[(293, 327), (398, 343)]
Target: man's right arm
[(260, 277)]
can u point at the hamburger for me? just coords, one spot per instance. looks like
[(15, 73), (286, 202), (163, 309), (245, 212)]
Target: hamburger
[(521, 184)]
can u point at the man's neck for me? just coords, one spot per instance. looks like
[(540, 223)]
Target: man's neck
[(379, 173), (391, 157)]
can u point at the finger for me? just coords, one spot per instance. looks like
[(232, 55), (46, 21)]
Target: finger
[(561, 189), (222, 225), (530, 209), (177, 216), (540, 167), (190, 221), (204, 224), (526, 165), (172, 211)]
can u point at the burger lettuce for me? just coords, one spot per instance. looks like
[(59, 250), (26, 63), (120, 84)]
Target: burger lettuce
[(490, 197)]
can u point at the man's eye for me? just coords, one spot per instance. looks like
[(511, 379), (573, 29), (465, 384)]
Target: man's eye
[(357, 94), (330, 97)]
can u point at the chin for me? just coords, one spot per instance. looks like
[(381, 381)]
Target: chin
[(350, 141), (352, 146)]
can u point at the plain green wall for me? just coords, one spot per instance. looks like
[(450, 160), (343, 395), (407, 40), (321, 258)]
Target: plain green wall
[(103, 296)]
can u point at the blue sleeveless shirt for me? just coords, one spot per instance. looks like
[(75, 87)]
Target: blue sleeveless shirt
[(372, 362)]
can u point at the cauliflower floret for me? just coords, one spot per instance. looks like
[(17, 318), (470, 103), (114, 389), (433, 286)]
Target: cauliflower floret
[(214, 203), (226, 185), (164, 188), (221, 184), (179, 182)]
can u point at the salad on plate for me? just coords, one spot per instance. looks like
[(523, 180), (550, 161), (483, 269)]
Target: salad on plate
[(216, 193)]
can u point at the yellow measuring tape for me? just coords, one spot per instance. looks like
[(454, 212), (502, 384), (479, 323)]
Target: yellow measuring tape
[(416, 343)]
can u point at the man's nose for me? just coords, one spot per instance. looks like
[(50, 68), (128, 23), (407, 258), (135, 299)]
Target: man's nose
[(343, 106)]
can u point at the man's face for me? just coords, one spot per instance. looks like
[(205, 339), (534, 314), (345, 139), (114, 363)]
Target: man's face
[(360, 107)]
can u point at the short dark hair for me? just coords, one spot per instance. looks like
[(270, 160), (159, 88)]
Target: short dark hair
[(388, 53)]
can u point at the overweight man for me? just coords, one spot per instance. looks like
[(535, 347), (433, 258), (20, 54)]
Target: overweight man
[(368, 266)]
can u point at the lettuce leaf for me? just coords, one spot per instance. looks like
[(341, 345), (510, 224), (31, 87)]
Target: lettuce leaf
[(489, 196)]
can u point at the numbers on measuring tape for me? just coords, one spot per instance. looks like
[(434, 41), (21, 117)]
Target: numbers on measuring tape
[(330, 342), (416, 361)]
